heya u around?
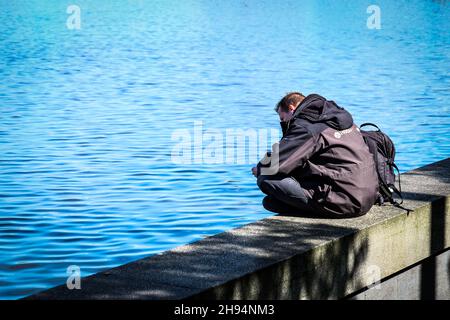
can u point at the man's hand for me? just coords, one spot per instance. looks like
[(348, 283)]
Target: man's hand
[(254, 171)]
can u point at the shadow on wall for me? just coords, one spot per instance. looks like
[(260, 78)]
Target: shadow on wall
[(428, 277), (318, 274), (448, 272), (208, 264)]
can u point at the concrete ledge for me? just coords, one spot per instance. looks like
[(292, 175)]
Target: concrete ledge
[(290, 257)]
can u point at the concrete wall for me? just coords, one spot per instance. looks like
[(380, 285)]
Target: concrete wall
[(429, 279), (293, 256)]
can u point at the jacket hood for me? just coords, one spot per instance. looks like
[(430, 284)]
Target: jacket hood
[(316, 108)]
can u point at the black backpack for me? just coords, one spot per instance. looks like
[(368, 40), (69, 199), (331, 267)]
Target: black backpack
[(383, 151)]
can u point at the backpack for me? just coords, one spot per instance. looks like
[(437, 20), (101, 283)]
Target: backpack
[(383, 151)]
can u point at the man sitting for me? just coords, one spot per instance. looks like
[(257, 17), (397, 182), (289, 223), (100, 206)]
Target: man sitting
[(322, 164)]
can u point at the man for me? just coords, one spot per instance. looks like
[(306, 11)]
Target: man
[(323, 165)]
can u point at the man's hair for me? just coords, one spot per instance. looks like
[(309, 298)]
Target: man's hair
[(294, 98)]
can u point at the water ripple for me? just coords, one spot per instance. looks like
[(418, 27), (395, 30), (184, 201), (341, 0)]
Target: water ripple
[(87, 116)]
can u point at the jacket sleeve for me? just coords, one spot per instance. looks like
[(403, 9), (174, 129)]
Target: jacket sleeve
[(294, 149)]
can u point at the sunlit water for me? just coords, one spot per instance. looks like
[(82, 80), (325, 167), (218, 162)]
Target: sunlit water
[(87, 116)]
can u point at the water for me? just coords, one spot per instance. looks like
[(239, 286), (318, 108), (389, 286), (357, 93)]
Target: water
[(87, 116)]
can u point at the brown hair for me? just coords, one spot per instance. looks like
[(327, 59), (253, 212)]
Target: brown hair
[(294, 98)]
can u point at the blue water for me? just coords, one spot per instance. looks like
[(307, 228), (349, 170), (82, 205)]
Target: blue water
[(87, 116)]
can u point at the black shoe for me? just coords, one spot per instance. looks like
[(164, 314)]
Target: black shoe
[(272, 204)]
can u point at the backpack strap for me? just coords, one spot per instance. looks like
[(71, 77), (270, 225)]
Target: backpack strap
[(396, 204), (399, 182), (369, 124), (398, 192)]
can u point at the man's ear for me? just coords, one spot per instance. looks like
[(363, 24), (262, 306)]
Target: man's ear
[(291, 108)]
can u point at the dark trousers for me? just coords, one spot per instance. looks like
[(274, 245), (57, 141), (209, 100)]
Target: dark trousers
[(287, 190)]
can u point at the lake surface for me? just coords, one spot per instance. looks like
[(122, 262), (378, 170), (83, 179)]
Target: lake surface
[(88, 116)]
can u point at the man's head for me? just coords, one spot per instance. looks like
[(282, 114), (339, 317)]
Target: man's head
[(286, 107)]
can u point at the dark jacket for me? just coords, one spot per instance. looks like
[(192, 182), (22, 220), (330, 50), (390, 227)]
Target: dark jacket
[(324, 150)]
